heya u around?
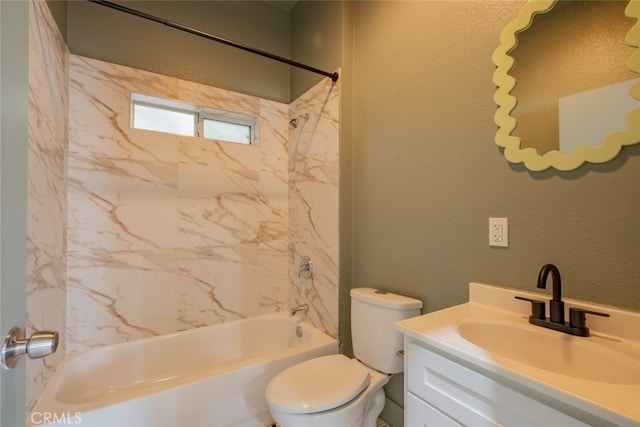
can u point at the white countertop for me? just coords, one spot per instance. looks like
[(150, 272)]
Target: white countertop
[(618, 335)]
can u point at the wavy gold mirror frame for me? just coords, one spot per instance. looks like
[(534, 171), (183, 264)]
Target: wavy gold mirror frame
[(505, 83)]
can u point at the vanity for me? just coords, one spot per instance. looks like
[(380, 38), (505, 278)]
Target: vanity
[(483, 364)]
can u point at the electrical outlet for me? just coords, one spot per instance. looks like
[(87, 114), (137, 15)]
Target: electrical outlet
[(499, 232)]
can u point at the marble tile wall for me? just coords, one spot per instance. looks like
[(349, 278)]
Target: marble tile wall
[(313, 203), (47, 196), (166, 232)]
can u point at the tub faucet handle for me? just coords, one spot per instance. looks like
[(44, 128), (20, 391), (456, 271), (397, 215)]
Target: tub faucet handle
[(306, 268)]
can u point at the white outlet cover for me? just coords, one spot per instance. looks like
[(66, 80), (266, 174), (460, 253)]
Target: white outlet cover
[(499, 232)]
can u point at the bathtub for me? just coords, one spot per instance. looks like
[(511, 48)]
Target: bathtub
[(211, 376)]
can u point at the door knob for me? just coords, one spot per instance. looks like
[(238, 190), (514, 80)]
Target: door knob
[(40, 344)]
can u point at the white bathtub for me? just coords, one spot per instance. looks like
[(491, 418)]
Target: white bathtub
[(211, 376)]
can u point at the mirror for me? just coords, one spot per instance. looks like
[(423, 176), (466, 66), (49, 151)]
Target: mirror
[(567, 90)]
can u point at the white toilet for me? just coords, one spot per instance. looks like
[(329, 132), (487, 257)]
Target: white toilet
[(341, 392)]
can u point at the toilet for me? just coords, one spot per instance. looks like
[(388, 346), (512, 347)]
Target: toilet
[(342, 392)]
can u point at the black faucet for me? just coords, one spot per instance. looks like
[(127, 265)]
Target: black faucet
[(576, 325), (556, 306)]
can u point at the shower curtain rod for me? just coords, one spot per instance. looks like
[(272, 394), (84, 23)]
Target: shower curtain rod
[(332, 76)]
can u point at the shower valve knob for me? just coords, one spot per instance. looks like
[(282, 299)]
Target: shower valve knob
[(306, 268)]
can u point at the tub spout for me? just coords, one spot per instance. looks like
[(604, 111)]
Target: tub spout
[(303, 308)]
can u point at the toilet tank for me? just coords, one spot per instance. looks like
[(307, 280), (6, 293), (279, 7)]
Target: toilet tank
[(374, 336)]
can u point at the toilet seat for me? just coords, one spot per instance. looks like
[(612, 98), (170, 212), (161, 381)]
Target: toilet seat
[(317, 385)]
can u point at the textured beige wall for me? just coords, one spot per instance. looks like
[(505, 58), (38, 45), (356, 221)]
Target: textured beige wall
[(316, 40), (101, 33), (427, 174), (58, 10)]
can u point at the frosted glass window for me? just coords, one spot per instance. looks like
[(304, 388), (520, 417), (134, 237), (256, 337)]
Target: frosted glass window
[(163, 120), (226, 131)]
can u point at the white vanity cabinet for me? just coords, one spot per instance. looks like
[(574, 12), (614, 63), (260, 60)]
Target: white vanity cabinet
[(441, 392)]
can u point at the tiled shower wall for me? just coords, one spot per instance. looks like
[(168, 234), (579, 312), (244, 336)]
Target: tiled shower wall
[(46, 192), (313, 203), (169, 233)]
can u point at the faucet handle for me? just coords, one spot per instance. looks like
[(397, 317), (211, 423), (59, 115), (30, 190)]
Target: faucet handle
[(306, 268), (537, 307), (577, 318)]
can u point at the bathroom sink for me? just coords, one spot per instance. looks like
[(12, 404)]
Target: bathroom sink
[(562, 354), (595, 378)]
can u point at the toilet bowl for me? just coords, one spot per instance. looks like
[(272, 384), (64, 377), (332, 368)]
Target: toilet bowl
[(327, 391), (338, 391)]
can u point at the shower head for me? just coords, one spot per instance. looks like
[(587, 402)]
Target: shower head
[(294, 122)]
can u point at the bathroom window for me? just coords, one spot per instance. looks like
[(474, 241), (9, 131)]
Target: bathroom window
[(163, 119), (226, 131), (162, 115)]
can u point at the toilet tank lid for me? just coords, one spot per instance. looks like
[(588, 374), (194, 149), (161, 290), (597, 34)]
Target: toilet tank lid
[(385, 299)]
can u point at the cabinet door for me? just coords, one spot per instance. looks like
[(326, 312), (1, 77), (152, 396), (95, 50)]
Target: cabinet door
[(473, 399), (421, 414)]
